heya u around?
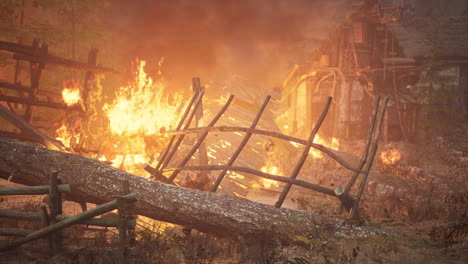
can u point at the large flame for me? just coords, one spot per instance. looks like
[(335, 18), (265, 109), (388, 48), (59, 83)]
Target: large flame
[(390, 157), (142, 108), (71, 93)]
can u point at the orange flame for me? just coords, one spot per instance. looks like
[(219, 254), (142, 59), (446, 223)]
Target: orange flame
[(334, 144), (271, 169), (390, 157), (64, 135), (71, 93), (141, 107)]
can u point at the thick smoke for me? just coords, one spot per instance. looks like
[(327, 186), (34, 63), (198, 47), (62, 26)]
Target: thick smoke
[(257, 39)]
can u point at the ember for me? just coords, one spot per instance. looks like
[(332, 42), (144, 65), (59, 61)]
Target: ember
[(390, 157)]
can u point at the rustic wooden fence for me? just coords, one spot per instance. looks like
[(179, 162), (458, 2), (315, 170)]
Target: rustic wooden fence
[(39, 57), (349, 201), (55, 221)]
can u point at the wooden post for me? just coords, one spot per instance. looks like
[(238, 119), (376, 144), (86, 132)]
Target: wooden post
[(202, 154), (126, 232), (241, 146), (45, 220), (89, 76), (55, 208), (305, 153), (35, 75)]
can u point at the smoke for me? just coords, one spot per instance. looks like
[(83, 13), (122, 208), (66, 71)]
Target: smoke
[(258, 39)]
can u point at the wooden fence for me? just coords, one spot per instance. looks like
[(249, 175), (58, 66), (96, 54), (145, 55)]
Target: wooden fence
[(349, 201), (54, 221)]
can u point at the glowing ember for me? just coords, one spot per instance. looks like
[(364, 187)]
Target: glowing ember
[(390, 157), (71, 93), (271, 169), (141, 107)]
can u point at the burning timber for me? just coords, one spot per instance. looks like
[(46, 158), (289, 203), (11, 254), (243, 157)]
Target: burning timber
[(92, 181)]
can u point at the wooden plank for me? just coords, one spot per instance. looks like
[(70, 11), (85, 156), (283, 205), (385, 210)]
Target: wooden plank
[(29, 130)]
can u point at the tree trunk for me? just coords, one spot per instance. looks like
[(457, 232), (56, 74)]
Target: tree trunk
[(94, 182)]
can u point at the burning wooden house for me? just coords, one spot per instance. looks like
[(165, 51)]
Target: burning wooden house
[(310, 143)]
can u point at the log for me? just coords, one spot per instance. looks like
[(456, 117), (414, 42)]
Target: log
[(94, 182), (31, 190)]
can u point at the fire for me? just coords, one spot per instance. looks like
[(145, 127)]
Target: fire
[(334, 144), (141, 108), (390, 157), (71, 93), (271, 169), (64, 135)]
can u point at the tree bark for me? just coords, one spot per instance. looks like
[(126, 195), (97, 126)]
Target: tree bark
[(94, 182)]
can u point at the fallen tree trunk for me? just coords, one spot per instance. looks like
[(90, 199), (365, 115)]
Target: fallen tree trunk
[(94, 182)]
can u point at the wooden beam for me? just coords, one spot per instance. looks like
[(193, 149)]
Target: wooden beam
[(31, 190), (32, 101), (330, 152), (29, 130)]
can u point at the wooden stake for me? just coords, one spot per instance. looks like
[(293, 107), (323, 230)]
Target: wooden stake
[(202, 154), (355, 211), (241, 146), (200, 139), (305, 153), (366, 148)]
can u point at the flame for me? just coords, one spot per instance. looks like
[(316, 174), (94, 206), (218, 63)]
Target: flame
[(64, 135), (334, 144), (71, 93), (142, 108), (390, 157), (271, 169)]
